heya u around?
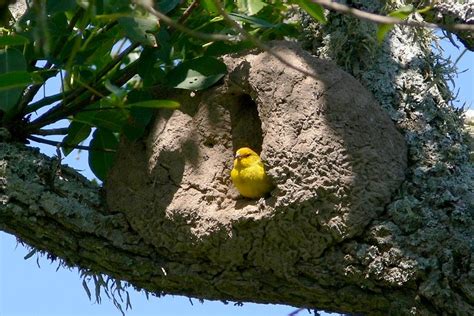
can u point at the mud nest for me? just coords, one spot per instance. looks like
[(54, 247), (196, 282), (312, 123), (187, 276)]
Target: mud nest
[(334, 155)]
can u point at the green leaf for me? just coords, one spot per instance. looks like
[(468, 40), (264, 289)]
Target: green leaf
[(104, 117), (401, 13), (197, 74), (315, 10), (149, 68), (155, 104), (118, 92), (137, 123), (30, 254), (250, 6), (210, 6), (56, 31), (256, 22), (166, 46), (166, 6), (53, 6), (152, 60), (220, 48), (102, 154), (86, 288), (77, 132), (424, 10), (16, 79), (111, 6), (140, 29), (142, 108), (96, 50), (13, 40), (382, 30), (11, 61)]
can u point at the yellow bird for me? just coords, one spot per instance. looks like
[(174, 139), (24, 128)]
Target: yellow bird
[(248, 175)]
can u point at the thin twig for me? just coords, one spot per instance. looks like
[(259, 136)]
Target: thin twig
[(169, 21), (52, 131), (60, 144), (459, 57), (62, 109), (43, 102), (118, 79), (188, 11), (91, 89), (382, 19), (31, 91), (116, 61), (258, 43)]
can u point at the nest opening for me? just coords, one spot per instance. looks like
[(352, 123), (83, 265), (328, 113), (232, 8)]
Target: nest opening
[(246, 126)]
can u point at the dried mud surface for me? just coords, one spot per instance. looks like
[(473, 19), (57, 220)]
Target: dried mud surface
[(335, 158)]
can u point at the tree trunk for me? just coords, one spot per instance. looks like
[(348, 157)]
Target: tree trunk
[(385, 230)]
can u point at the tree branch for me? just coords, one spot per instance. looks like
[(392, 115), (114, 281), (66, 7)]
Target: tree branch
[(188, 11), (382, 19), (45, 101), (257, 42), (31, 91), (53, 131), (167, 20), (60, 144), (71, 221), (64, 109)]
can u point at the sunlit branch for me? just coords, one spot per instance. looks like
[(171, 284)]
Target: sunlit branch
[(167, 20), (257, 42), (60, 144), (382, 19), (188, 11)]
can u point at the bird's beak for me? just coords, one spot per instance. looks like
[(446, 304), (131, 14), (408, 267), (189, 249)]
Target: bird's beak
[(237, 156)]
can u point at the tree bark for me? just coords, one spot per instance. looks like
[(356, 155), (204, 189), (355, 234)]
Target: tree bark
[(449, 12)]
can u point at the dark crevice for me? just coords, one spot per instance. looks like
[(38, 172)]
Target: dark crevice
[(245, 123)]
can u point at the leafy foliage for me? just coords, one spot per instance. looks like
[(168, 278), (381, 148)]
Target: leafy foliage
[(112, 55), (196, 74), (102, 156), (12, 64), (313, 9), (403, 13)]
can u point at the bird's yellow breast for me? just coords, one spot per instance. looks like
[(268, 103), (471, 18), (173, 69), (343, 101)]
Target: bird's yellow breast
[(248, 174)]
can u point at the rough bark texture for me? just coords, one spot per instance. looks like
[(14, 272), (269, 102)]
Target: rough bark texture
[(449, 12), (432, 218)]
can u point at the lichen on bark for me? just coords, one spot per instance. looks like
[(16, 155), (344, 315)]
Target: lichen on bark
[(432, 219)]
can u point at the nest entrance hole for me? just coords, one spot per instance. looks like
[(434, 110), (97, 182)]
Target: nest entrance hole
[(246, 126)]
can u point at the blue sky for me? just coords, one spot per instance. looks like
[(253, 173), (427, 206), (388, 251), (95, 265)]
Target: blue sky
[(26, 289)]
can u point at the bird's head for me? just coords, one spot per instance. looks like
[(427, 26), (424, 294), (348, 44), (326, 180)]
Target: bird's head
[(246, 157)]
